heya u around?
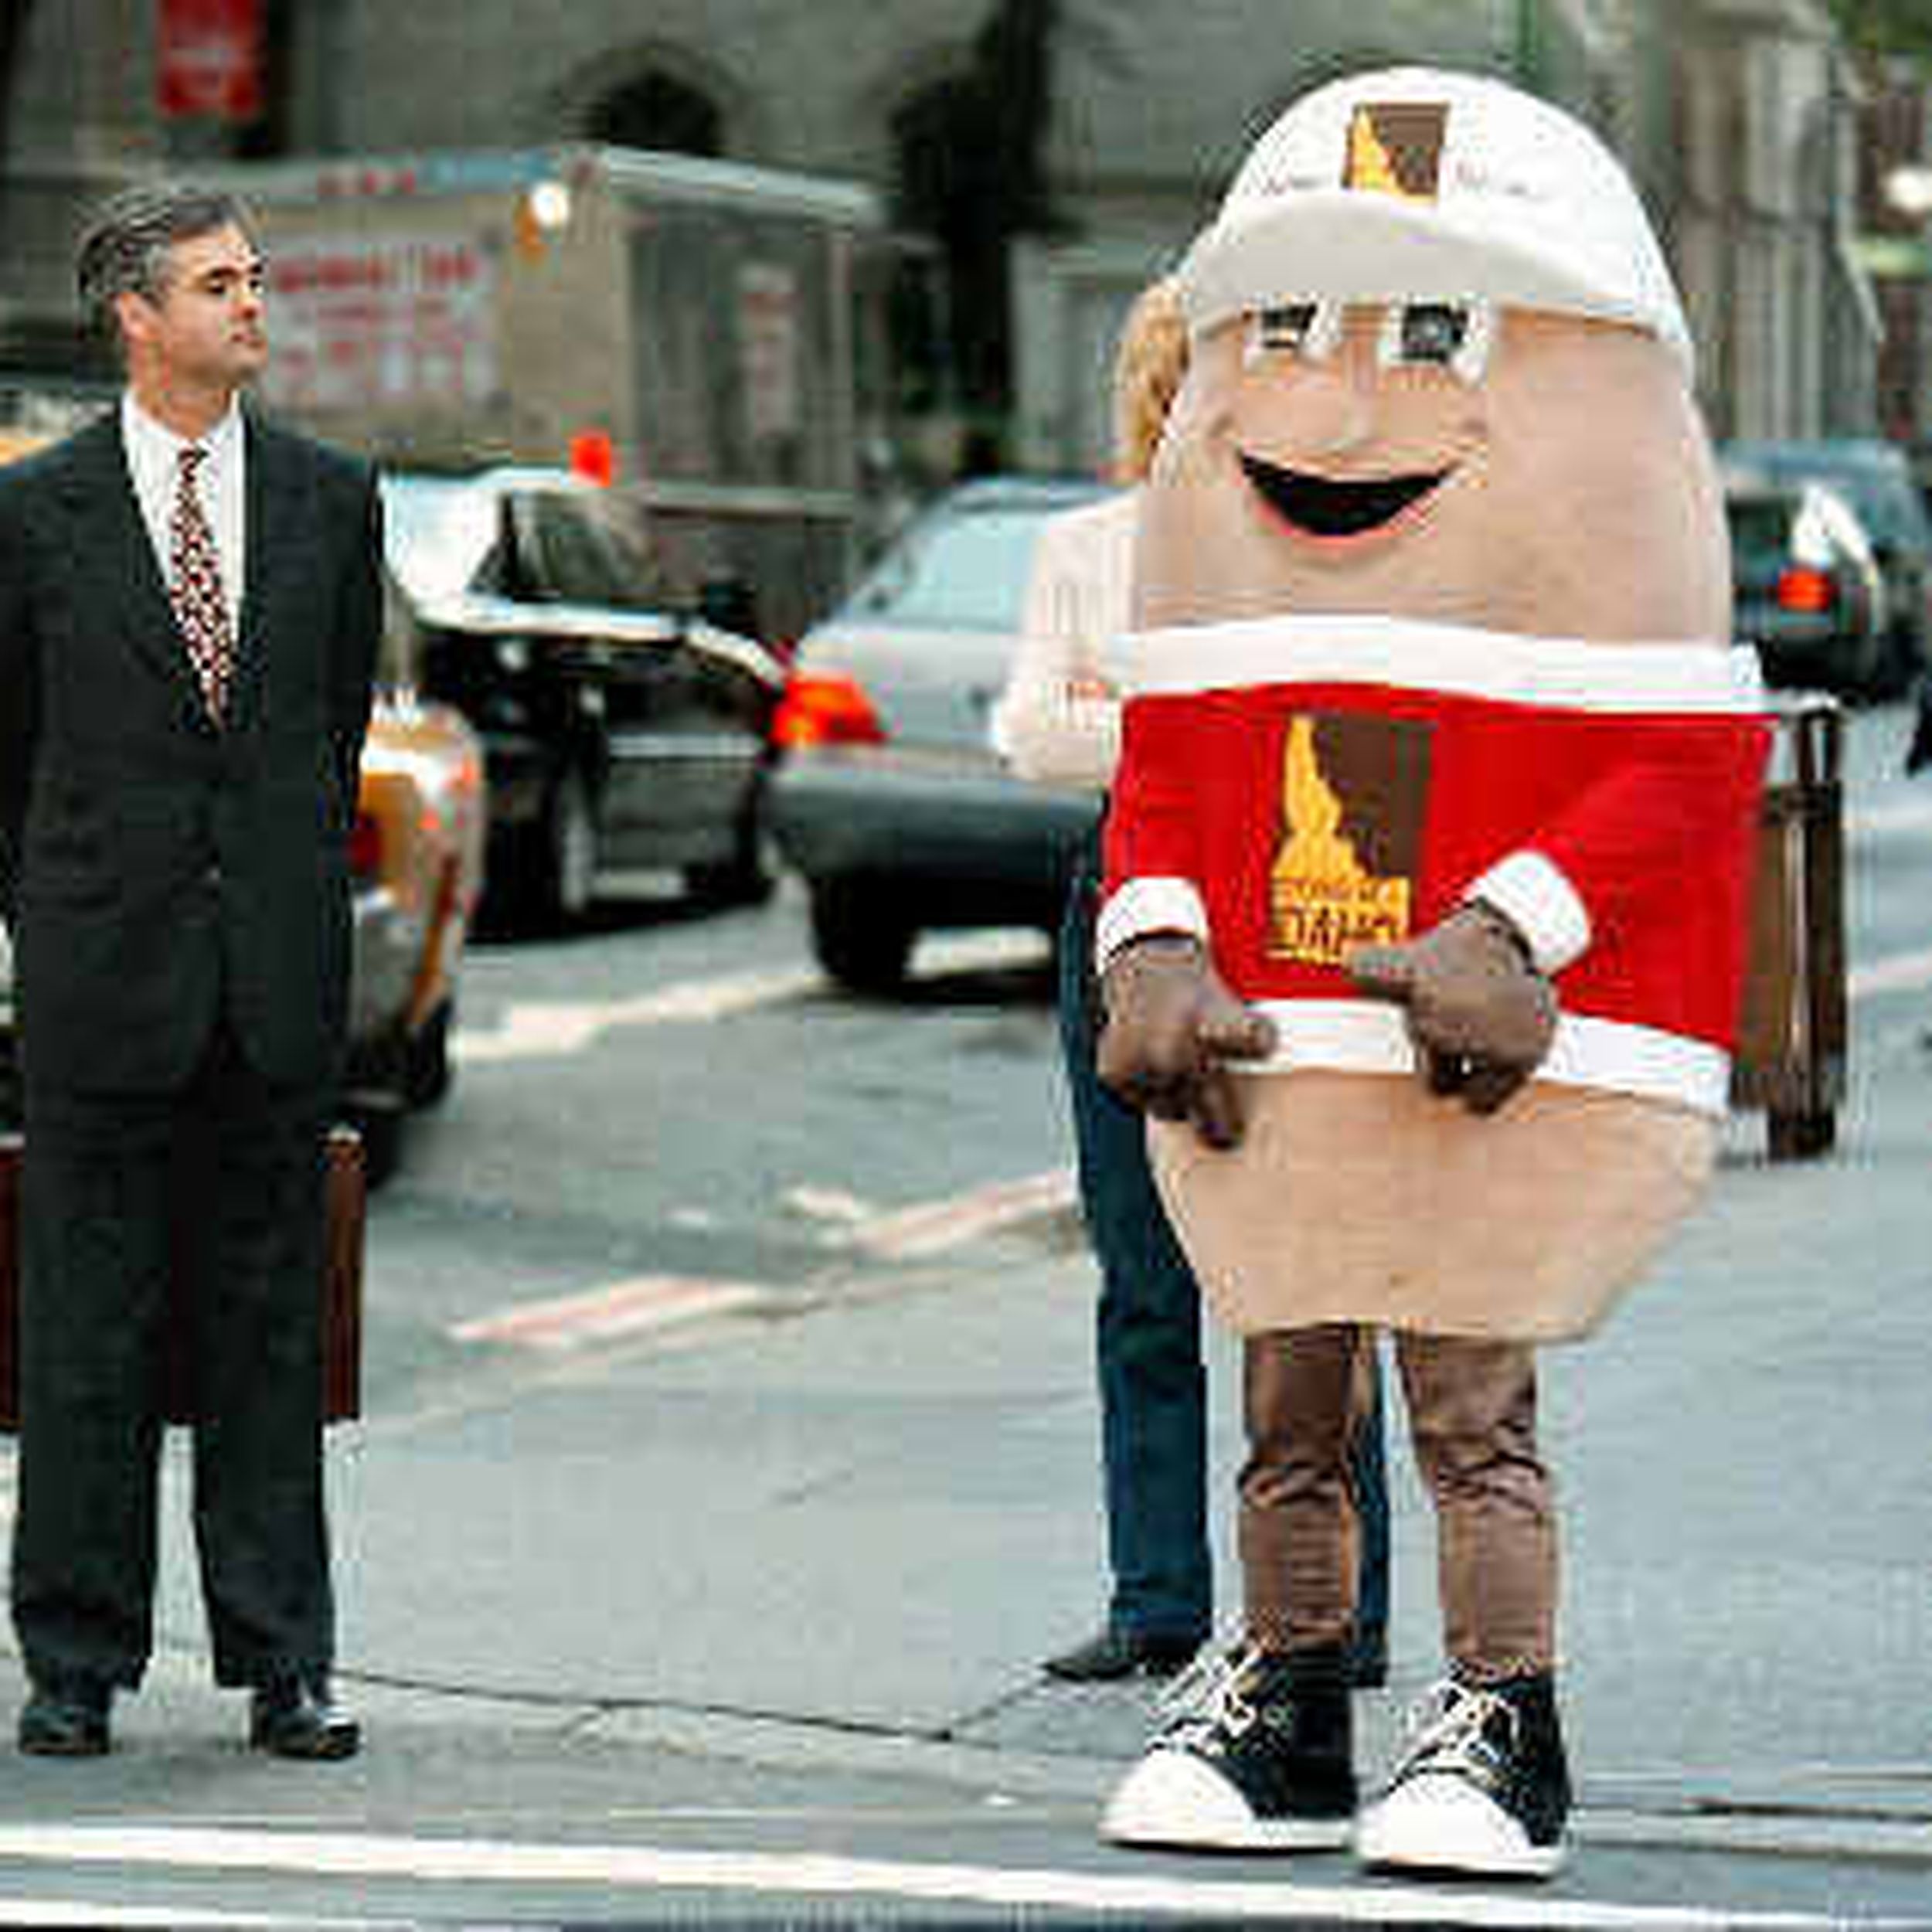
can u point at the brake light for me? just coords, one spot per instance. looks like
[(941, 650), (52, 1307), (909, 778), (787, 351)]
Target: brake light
[(1802, 588), (365, 846), (821, 709)]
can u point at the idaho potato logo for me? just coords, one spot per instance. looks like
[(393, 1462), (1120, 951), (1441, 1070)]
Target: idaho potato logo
[(1353, 792), (1395, 148)]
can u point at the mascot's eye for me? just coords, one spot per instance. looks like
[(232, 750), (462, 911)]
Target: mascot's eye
[(1431, 332), (1306, 329), (1450, 335)]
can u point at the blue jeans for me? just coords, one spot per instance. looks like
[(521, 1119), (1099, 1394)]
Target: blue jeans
[(1153, 1385)]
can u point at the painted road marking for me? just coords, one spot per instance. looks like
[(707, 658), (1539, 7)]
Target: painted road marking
[(639, 1306), (651, 1303), (367, 1856), (934, 1226), (1900, 972), (548, 1029)]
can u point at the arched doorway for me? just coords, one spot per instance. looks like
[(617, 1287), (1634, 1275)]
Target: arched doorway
[(949, 187), (656, 110), (971, 154)]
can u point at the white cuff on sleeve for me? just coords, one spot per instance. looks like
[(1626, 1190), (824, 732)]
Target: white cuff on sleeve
[(1534, 894), (1144, 906)]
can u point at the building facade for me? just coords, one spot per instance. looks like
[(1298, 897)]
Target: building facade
[(1738, 118)]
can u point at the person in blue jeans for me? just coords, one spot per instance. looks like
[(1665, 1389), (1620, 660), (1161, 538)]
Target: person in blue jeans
[(1059, 720), (1153, 1385)]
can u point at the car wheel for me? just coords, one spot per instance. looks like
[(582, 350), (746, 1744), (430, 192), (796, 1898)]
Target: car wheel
[(567, 882), (1869, 676), (862, 941), (1900, 660), (426, 1059)]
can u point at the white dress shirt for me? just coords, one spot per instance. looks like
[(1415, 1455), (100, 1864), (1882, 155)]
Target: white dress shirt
[(153, 455)]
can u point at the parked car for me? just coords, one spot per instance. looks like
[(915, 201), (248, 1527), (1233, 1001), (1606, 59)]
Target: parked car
[(415, 856), (1875, 478), (888, 798), (1806, 586), (618, 729)]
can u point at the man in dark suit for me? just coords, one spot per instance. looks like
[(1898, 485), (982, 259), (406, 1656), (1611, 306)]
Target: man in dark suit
[(190, 613)]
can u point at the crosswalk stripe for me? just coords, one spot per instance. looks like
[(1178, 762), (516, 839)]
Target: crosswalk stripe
[(107, 1916), (354, 1855)]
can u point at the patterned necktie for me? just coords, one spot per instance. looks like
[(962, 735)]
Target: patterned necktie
[(200, 609)]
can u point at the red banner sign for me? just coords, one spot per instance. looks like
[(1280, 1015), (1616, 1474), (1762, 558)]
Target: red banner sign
[(208, 59)]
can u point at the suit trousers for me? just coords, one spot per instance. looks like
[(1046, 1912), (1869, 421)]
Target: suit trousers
[(1153, 1385), (1472, 1412), (224, 1178)]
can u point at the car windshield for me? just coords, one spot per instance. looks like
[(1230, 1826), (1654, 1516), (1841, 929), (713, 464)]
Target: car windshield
[(436, 532), (966, 569), (1880, 487), (531, 542)]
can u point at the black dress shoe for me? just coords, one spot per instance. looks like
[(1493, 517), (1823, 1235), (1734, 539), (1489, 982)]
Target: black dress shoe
[(66, 1720), (1122, 1653), (295, 1718)]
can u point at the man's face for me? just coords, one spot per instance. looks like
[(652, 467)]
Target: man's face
[(1511, 470), (205, 326)]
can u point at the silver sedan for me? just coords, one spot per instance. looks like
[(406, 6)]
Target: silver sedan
[(888, 799)]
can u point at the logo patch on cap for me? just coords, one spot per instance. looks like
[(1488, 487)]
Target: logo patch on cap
[(1395, 148)]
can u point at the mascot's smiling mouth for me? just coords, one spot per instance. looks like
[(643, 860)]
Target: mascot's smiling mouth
[(1329, 506)]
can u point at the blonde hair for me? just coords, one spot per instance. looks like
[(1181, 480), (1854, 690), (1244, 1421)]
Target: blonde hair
[(1149, 366)]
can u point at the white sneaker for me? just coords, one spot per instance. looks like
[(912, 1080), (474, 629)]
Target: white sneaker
[(1254, 1756), (1482, 1787)]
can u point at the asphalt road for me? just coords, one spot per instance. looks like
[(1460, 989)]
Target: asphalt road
[(729, 1466)]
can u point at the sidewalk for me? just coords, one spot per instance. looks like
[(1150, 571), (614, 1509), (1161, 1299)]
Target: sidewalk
[(780, 1556)]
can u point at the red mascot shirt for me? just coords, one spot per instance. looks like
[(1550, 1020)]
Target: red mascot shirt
[(1289, 788)]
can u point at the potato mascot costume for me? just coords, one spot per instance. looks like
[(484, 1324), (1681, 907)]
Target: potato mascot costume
[(1428, 867)]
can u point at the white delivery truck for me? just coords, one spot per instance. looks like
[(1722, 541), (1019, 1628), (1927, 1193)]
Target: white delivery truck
[(711, 336)]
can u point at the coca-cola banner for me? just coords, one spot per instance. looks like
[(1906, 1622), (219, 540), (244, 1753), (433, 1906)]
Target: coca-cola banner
[(208, 59)]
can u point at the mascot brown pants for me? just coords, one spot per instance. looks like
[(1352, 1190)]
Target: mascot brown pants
[(1472, 1410)]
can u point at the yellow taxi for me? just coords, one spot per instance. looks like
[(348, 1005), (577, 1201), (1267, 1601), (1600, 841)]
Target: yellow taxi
[(415, 856)]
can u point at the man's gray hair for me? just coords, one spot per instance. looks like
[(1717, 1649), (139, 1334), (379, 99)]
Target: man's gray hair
[(123, 249)]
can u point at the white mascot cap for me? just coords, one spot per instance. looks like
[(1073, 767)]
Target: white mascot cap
[(1414, 184)]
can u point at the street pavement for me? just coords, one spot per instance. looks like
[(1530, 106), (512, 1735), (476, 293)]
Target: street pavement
[(739, 1617)]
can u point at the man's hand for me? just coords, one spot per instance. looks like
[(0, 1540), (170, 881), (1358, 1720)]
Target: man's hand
[(1481, 1016), (1173, 1027)]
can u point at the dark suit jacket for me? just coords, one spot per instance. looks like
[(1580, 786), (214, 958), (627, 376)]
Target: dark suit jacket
[(155, 870)]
